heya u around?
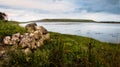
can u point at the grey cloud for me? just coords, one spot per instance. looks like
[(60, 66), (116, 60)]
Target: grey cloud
[(109, 6)]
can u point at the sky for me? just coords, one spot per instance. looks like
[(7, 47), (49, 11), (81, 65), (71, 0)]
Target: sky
[(27, 10)]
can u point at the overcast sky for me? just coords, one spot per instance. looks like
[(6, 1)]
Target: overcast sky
[(26, 10)]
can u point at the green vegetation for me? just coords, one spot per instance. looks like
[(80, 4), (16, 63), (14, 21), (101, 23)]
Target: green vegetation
[(9, 28), (64, 20), (61, 50), (68, 51)]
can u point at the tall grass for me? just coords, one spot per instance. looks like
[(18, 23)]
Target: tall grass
[(69, 51)]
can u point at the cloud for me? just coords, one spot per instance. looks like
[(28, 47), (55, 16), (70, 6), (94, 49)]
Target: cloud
[(41, 5), (23, 15), (26, 10), (109, 6)]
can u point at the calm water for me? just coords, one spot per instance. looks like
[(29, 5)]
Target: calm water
[(100, 31)]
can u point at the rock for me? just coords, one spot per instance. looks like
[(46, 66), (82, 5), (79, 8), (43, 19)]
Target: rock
[(40, 43), (26, 35), (24, 45), (2, 52), (41, 29), (30, 27), (24, 41), (16, 35), (15, 38), (46, 36), (7, 40), (28, 41), (37, 35), (31, 35), (21, 36), (32, 44)]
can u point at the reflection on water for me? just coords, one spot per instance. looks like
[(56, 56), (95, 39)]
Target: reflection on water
[(100, 31)]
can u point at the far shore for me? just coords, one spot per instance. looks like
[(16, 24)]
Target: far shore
[(74, 21)]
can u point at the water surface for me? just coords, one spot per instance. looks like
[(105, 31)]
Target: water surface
[(105, 32)]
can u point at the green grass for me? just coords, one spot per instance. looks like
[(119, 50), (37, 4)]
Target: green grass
[(69, 51), (61, 50), (9, 28)]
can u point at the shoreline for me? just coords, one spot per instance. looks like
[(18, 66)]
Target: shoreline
[(70, 22)]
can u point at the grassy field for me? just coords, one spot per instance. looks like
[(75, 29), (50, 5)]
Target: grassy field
[(64, 50)]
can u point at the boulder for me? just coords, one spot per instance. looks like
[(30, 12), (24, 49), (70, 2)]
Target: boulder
[(7, 40), (15, 38), (16, 35), (25, 41), (37, 35), (40, 43), (46, 36), (29, 41), (31, 35), (41, 29), (30, 27)]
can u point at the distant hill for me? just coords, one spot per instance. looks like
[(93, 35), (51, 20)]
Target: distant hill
[(116, 22), (64, 20)]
